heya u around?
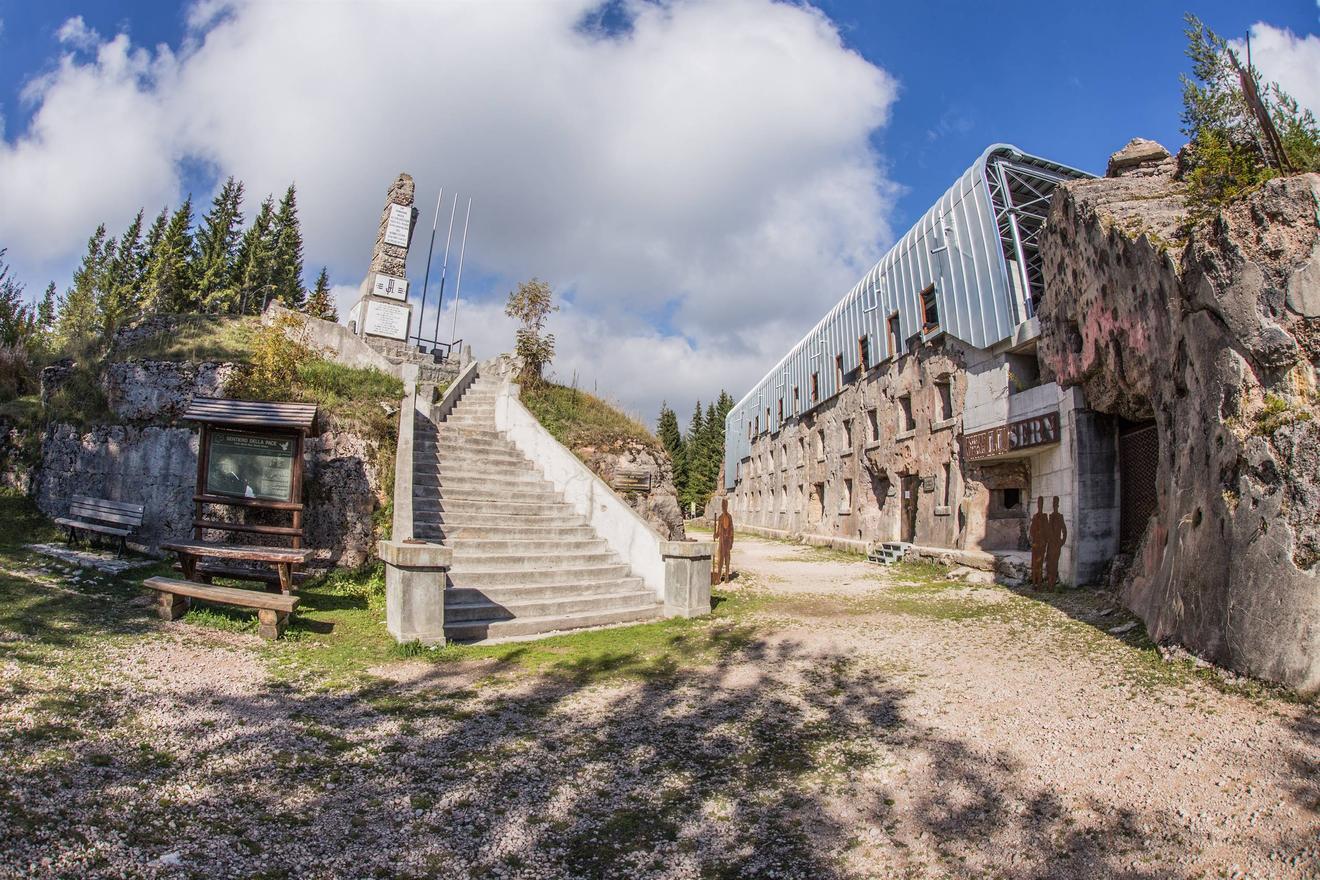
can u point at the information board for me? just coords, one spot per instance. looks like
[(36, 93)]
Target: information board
[(388, 285), (386, 319), (244, 465), (397, 227)]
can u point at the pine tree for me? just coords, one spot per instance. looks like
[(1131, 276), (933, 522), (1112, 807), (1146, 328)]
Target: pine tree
[(169, 285), (319, 303), (17, 321), (46, 311), (118, 295), (692, 443), (672, 439), (287, 266), (217, 241), (252, 267), (78, 313), (150, 245)]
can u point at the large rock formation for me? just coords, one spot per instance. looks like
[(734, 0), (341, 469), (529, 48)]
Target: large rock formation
[(1212, 331), (636, 460)]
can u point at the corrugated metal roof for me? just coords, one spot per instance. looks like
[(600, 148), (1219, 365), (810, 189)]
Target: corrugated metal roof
[(956, 248), (254, 413)]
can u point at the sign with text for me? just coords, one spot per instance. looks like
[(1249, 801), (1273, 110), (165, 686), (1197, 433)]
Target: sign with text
[(386, 319), (397, 227), (388, 285), (243, 465), (1041, 430)]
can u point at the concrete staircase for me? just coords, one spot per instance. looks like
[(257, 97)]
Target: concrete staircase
[(525, 562), (889, 552)]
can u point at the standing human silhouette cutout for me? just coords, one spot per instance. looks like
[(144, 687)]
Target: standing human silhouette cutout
[(1055, 536), (1040, 524), (719, 573)]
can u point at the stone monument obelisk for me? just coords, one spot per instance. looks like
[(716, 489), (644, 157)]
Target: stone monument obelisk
[(383, 316)]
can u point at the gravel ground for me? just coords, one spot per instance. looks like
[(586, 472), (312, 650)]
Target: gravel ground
[(894, 729)]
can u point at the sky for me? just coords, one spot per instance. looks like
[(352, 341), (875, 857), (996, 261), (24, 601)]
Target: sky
[(699, 181)]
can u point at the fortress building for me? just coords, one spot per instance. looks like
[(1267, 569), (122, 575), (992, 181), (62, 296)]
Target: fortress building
[(916, 410)]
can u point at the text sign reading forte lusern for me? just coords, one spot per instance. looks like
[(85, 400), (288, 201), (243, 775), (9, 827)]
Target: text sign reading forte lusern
[(247, 465), (1039, 430)]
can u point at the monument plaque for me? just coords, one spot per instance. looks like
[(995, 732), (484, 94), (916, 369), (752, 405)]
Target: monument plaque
[(389, 286), (384, 319), (398, 226)]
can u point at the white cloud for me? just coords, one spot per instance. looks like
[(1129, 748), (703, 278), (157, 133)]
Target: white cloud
[(1283, 57), (77, 34), (702, 187)]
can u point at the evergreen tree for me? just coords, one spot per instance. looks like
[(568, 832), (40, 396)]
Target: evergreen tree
[(287, 263), (17, 321), (169, 285), (693, 446), (47, 316), (150, 245), (319, 303), (78, 310), (217, 242), (118, 295), (252, 268), (672, 439)]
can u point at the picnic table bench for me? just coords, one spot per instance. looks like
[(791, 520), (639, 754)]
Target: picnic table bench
[(118, 519), (273, 609), (282, 558)]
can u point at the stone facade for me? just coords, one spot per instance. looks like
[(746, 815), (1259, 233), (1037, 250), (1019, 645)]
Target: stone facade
[(160, 391), (659, 505)]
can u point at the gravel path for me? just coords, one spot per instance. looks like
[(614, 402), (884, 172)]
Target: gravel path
[(895, 728)]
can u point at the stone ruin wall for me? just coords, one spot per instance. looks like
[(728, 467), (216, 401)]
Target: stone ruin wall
[(1212, 332), (148, 458), (875, 466)]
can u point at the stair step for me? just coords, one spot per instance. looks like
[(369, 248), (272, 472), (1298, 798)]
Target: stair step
[(522, 479), (531, 592), (514, 508), (465, 547), (491, 493), (544, 561), (472, 462), (452, 520), (481, 630), (520, 577), (545, 607), (452, 532)]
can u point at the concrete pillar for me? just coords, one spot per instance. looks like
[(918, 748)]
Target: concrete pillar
[(415, 590), (687, 577)]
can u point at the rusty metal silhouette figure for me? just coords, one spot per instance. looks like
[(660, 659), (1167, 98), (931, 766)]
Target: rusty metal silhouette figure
[(1055, 536), (1040, 524), (719, 572)]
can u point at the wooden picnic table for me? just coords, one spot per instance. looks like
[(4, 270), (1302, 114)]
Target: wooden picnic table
[(283, 559)]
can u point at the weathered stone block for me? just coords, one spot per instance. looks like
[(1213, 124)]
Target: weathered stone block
[(415, 590), (687, 577)]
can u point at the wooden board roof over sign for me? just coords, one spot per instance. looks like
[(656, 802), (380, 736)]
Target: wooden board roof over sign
[(252, 413)]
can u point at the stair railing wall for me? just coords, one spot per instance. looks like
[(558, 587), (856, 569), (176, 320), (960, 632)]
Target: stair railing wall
[(626, 532)]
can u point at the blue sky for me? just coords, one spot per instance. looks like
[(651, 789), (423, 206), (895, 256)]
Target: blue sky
[(699, 181)]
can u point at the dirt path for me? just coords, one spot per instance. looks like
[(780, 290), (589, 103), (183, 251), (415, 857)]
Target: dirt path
[(1032, 710), (831, 720)]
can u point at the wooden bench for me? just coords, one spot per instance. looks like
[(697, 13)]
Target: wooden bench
[(282, 558), (118, 519), (175, 596)]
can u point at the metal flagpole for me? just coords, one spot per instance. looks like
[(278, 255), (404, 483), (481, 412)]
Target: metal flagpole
[(435, 336), (430, 250), (458, 285)]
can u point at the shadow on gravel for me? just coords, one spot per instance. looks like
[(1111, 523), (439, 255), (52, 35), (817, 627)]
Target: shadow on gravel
[(765, 764)]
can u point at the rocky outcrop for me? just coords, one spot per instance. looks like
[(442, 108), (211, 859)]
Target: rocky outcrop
[(629, 462), (156, 391), (1210, 331), (156, 466)]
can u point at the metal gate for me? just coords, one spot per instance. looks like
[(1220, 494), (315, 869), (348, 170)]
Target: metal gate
[(1138, 462)]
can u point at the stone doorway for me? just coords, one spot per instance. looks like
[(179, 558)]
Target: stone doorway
[(911, 486)]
